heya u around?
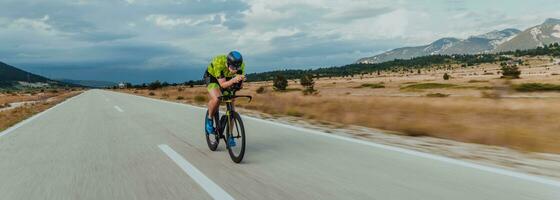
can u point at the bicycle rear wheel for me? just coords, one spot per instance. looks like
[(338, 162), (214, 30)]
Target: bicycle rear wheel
[(236, 131), (212, 139)]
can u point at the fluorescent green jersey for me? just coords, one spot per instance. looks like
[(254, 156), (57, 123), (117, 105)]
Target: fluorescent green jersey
[(218, 68)]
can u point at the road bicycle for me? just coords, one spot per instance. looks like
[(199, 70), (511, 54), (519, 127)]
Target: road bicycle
[(231, 124)]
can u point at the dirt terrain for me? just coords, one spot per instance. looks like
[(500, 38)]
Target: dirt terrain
[(17, 106)]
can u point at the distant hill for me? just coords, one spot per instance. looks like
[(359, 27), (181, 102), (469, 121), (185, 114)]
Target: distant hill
[(12, 77), (537, 36), (447, 46), (89, 83), (11, 74)]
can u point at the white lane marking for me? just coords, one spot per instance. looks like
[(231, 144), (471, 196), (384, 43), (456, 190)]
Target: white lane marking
[(210, 187), (118, 108), (14, 127), (520, 175)]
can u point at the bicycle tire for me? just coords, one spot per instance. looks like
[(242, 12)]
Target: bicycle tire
[(238, 126)]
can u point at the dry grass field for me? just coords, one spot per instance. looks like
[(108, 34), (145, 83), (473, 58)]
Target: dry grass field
[(475, 105), (31, 104)]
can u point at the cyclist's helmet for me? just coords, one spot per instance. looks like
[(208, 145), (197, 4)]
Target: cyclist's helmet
[(234, 60)]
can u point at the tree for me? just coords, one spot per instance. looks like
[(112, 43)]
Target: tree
[(154, 85), (307, 82), (446, 76), (510, 71), (190, 83), (280, 83)]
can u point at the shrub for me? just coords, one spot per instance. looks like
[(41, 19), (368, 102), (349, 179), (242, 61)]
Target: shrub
[(180, 98), (536, 87), (151, 94), (310, 90), (154, 85), (180, 89), (199, 98), (307, 82), (190, 83), (280, 83), (478, 81), (260, 90), (165, 95), (510, 71), (428, 86), (372, 85), (446, 76), (294, 113), (437, 95)]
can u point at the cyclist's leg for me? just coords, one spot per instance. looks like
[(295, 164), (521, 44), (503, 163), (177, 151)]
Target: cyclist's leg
[(213, 102)]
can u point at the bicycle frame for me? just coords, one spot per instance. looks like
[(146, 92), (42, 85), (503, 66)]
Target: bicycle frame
[(228, 98)]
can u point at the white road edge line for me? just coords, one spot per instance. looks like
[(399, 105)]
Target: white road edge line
[(118, 108), (520, 175), (14, 127), (210, 187)]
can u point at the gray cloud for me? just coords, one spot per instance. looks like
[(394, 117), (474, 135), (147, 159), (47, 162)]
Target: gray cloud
[(144, 40)]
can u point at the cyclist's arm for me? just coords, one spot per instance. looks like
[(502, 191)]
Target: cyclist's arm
[(225, 84)]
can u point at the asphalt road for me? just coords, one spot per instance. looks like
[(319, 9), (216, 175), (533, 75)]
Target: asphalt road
[(107, 145)]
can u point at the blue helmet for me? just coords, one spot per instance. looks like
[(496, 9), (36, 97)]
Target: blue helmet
[(234, 60)]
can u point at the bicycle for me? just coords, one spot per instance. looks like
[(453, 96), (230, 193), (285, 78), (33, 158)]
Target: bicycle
[(231, 123)]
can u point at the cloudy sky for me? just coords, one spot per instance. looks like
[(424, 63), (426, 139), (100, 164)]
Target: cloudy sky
[(173, 40)]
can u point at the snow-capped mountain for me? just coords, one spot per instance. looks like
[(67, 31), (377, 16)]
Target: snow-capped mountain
[(499, 37), (543, 34), (447, 46)]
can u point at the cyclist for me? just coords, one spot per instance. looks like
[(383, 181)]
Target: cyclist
[(223, 72)]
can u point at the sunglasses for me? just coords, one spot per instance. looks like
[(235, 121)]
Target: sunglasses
[(232, 67)]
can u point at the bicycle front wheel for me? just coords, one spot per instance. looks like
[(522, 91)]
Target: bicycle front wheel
[(236, 132)]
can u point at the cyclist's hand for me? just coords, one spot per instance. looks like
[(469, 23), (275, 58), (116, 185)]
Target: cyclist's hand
[(239, 78)]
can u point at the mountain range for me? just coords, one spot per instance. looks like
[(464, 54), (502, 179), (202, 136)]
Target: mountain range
[(491, 42)]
